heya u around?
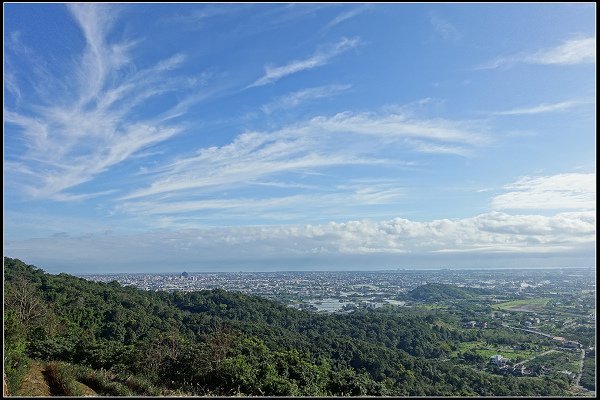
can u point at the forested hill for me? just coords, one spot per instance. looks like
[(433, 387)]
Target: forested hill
[(226, 343), (441, 291)]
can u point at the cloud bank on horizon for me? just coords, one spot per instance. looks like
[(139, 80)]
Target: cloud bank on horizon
[(299, 136)]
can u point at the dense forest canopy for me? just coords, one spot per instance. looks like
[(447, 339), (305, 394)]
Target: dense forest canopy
[(440, 291)]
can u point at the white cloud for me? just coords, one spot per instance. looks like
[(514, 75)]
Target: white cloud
[(492, 233), (397, 125), (197, 19), (344, 16), (574, 51), (11, 83), (432, 148), (296, 98), (79, 128), (314, 201), (320, 58), (573, 191), (543, 108), (570, 52), (342, 139), (445, 29)]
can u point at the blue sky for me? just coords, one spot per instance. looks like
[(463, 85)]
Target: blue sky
[(162, 137)]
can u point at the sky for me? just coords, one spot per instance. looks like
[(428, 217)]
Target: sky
[(215, 137)]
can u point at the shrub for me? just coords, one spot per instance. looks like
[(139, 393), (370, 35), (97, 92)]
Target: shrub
[(61, 379)]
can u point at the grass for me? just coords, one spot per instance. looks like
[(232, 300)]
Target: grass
[(102, 382), (141, 386), (574, 366), (513, 355), (559, 361), (488, 350), (106, 383), (469, 345), (16, 367), (33, 382), (465, 346), (527, 304), (61, 380), (429, 307)]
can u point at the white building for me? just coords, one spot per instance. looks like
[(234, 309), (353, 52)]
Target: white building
[(498, 359)]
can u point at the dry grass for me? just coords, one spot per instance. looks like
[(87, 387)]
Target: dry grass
[(34, 383)]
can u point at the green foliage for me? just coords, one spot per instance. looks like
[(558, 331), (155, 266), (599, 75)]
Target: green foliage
[(141, 386), (588, 377), (127, 341), (102, 382), (16, 361), (16, 365), (61, 379), (436, 292)]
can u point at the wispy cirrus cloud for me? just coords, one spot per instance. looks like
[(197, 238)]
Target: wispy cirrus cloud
[(433, 148), (574, 191), (570, 52), (445, 29), (344, 16), (302, 96), (320, 58), (544, 108), (394, 125), (332, 201), (197, 18), (321, 142), (10, 84), (97, 122), (573, 51)]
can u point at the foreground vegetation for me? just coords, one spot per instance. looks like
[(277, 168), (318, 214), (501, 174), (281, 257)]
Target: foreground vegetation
[(588, 378), (121, 341)]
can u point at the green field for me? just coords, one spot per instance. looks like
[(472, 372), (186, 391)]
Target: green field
[(524, 305), (465, 346), (513, 355), (429, 307), (488, 350), (559, 361)]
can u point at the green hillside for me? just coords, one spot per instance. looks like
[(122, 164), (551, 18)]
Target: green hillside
[(226, 343), (435, 292)]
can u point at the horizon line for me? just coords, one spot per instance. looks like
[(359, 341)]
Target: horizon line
[(484, 269)]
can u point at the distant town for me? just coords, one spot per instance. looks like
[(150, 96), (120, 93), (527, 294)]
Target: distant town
[(337, 291)]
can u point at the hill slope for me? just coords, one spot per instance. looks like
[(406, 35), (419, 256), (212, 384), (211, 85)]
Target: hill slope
[(440, 292), (226, 343)]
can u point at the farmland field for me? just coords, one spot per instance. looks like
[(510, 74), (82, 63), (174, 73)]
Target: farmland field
[(525, 305)]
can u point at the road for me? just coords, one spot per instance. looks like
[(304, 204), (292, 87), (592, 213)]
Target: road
[(529, 330), (537, 355), (576, 383), (580, 367)]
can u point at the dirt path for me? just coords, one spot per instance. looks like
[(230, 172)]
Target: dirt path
[(580, 367), (536, 356), (34, 383)]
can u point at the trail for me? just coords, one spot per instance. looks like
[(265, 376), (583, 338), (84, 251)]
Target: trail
[(576, 384), (536, 356), (34, 383)]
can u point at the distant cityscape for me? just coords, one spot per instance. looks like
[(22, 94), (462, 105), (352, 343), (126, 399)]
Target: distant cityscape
[(338, 291)]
